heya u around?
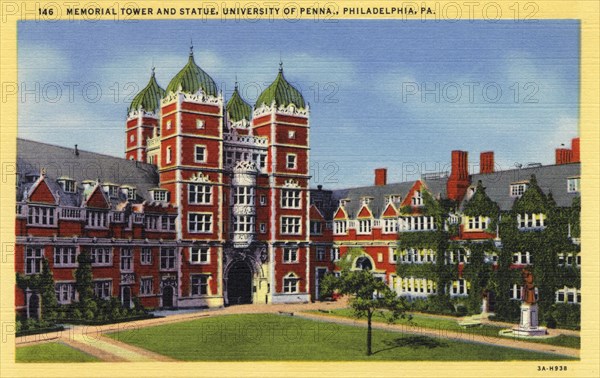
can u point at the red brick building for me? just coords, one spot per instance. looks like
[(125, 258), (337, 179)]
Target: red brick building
[(212, 205)]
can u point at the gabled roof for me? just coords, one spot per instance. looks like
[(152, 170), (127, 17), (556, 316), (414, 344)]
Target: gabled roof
[(61, 161), (390, 211), (315, 214), (550, 178), (96, 198), (364, 212), (40, 192)]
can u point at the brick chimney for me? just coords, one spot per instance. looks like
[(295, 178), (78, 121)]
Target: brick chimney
[(575, 151), (458, 182), (563, 156), (486, 162), (380, 176)]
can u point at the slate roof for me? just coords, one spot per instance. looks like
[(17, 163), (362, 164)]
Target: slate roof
[(550, 178), (62, 161)]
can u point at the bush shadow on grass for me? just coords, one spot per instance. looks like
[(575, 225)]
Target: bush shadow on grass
[(412, 342)]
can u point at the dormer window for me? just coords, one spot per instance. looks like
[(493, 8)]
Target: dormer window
[(417, 199), (111, 189), (88, 184), (573, 184), (129, 191), (395, 198), (32, 177), (477, 223), (366, 200), (517, 189), (158, 194), (67, 184), (344, 202)]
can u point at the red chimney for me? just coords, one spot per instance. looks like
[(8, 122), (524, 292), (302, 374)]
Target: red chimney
[(563, 156), (486, 162), (380, 176), (575, 150), (458, 182)]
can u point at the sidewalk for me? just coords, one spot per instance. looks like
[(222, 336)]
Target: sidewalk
[(451, 335)]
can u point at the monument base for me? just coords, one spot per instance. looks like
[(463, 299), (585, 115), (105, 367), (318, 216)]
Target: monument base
[(528, 326)]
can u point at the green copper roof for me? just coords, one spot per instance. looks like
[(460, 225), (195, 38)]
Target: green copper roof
[(282, 92), (149, 97), (237, 108), (191, 78)]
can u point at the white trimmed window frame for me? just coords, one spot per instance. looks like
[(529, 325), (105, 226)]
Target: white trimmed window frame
[(146, 286), (199, 255), (200, 194), (291, 225), (65, 292), (291, 283), (291, 198), (290, 255), (64, 253), (200, 150), (291, 161), (200, 223)]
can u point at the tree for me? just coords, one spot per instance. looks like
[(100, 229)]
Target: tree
[(47, 292), (84, 285), (368, 295)]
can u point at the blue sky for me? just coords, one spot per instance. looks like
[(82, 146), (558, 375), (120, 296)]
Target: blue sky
[(369, 109)]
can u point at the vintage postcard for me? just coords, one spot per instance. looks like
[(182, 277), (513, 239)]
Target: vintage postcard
[(299, 188)]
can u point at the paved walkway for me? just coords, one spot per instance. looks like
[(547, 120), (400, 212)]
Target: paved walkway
[(451, 335), (90, 339)]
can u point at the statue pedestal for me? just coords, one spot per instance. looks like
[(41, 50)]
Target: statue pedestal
[(529, 322)]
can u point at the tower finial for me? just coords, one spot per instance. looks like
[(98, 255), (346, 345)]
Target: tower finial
[(191, 47), (236, 82), (280, 66), (152, 69)]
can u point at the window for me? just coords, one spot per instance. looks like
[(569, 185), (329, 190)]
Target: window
[(169, 125), (517, 190), (490, 257), (290, 225), (131, 193), (65, 256), (68, 185), (522, 258), (200, 284), (515, 292), (151, 222), (167, 223), (101, 256), (263, 200), (103, 289), (291, 134), (146, 256), (526, 221), (243, 223), (320, 253), (573, 184), (263, 228), (199, 222), (33, 260), (131, 137), (169, 155), (65, 292), (229, 158), (112, 190), (290, 255), (364, 226), (340, 227), (200, 154), (146, 286), (290, 283), (417, 223), (263, 161), (291, 161), (316, 228), (568, 295), (459, 287), (417, 199), (477, 223), (126, 260), (243, 195), (290, 198), (40, 216), (159, 195), (199, 194), (167, 258), (335, 254), (199, 123), (96, 219), (390, 225), (393, 255), (199, 255)]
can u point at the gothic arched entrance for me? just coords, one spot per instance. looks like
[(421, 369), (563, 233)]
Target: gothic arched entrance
[(239, 283), (34, 306)]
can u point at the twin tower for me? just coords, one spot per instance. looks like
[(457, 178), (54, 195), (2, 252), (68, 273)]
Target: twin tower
[(238, 176)]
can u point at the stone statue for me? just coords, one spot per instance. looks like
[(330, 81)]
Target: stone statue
[(528, 291)]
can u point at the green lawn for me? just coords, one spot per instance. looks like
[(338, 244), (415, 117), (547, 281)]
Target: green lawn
[(252, 337), (51, 352), (424, 321)]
